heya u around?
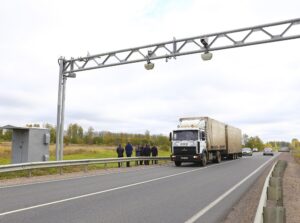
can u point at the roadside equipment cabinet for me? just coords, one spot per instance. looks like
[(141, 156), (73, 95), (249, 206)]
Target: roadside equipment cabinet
[(29, 144)]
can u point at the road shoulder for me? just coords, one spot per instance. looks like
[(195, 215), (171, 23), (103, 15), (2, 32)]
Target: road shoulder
[(245, 209), (291, 189)]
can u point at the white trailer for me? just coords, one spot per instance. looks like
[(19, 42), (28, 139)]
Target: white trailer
[(202, 139)]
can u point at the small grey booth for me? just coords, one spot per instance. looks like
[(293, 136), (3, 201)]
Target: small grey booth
[(29, 144)]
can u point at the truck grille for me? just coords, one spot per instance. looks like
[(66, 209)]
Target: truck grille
[(184, 150)]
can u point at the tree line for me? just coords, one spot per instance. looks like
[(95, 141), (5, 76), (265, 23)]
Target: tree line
[(256, 142), (76, 135)]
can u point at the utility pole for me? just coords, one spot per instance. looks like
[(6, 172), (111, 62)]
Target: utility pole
[(59, 122)]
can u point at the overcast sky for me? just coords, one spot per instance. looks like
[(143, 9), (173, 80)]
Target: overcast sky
[(255, 88)]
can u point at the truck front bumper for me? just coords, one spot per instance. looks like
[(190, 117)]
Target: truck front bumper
[(186, 158)]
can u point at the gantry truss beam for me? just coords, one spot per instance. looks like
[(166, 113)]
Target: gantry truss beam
[(272, 32), (267, 33)]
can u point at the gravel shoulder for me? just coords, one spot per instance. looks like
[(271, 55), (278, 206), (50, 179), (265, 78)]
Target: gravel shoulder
[(245, 210), (291, 189)]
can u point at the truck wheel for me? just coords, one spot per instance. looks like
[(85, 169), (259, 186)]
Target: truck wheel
[(218, 157), (203, 160), (177, 163)]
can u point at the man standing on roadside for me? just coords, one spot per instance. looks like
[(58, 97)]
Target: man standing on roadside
[(142, 153), (120, 152), (137, 153), (154, 153), (128, 150), (147, 152)]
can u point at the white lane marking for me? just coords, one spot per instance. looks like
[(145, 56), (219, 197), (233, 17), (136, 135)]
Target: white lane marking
[(99, 192), (108, 190), (215, 202), (79, 177)]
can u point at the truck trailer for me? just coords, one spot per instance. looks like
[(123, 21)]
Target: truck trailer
[(203, 139)]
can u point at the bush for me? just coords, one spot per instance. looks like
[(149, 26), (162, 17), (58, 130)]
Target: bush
[(165, 147)]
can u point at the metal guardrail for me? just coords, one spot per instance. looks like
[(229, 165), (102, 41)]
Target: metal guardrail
[(263, 198), (65, 163), (272, 191)]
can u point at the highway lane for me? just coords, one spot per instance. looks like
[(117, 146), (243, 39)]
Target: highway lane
[(156, 194)]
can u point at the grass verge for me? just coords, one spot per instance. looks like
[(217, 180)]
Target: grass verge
[(71, 152)]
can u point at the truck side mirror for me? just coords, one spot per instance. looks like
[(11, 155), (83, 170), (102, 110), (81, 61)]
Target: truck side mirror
[(170, 136), (202, 136)]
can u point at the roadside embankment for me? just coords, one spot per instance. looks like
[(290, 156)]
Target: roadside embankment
[(291, 189)]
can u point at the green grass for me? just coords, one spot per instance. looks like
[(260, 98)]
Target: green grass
[(4, 161), (72, 152)]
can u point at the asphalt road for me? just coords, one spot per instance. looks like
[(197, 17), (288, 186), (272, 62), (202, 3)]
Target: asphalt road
[(156, 194)]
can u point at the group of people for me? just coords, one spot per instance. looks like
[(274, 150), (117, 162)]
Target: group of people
[(140, 150)]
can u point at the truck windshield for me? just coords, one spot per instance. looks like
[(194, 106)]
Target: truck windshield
[(185, 135)]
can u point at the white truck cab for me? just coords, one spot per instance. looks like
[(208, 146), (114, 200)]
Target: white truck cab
[(200, 139)]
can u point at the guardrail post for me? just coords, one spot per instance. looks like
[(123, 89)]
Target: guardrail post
[(274, 193), (60, 170), (278, 172), (274, 215), (281, 163), (275, 182)]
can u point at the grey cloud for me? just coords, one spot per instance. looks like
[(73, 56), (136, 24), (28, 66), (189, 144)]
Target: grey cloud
[(14, 101)]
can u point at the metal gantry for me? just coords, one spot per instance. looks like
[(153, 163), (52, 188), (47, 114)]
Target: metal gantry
[(268, 33)]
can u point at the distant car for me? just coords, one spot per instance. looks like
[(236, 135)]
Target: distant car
[(247, 152), (268, 152), (284, 149), (254, 150)]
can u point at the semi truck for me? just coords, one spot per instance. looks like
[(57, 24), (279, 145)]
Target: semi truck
[(203, 139)]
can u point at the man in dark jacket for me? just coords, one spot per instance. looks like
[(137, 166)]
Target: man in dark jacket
[(137, 153), (120, 152), (128, 150), (147, 152), (154, 153), (142, 153)]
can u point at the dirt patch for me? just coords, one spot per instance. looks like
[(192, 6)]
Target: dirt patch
[(291, 189)]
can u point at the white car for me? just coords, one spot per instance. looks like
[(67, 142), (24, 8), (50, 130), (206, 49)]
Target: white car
[(268, 152), (247, 152), (254, 150)]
